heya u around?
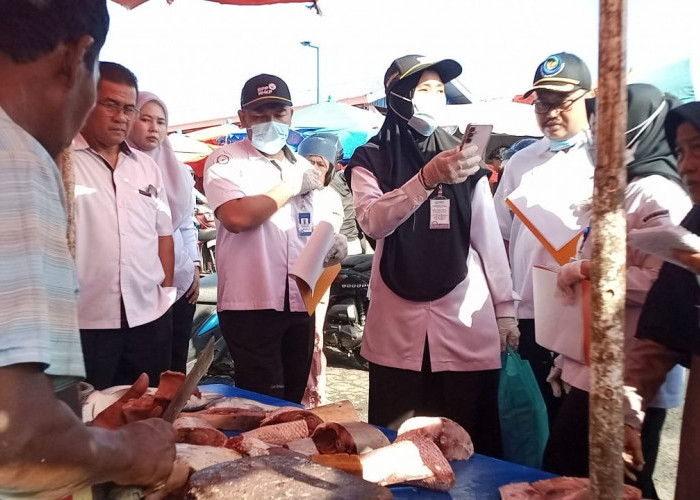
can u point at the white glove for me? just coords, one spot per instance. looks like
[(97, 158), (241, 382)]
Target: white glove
[(554, 379), (301, 181), (567, 276), (509, 333), (559, 387), (338, 251), (451, 167)]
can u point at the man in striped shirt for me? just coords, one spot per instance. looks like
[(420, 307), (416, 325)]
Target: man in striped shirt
[(48, 54)]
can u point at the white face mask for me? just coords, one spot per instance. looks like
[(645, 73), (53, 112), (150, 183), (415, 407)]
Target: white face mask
[(269, 137), (428, 110)]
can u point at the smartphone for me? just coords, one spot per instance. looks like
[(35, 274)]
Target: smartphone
[(478, 135)]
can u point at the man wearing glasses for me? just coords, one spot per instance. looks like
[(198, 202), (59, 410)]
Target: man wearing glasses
[(124, 244), (557, 161)]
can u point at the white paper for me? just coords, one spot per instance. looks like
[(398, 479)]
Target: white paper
[(659, 241), (309, 265), (559, 323), (548, 195)]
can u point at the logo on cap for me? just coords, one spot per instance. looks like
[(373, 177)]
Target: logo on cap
[(552, 66), (266, 89)]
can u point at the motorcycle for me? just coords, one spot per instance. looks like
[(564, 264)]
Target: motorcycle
[(205, 326), (204, 221), (343, 325)]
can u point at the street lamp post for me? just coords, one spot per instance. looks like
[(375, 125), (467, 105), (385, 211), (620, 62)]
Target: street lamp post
[(318, 69)]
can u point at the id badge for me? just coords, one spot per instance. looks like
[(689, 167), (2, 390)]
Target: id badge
[(304, 226), (439, 213)]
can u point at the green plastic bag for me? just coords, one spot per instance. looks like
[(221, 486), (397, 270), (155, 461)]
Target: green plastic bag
[(521, 411)]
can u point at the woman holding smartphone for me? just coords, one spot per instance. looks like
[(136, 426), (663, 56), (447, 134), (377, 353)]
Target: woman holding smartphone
[(440, 289)]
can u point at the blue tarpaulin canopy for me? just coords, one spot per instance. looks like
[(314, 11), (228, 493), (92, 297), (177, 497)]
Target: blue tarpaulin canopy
[(678, 78), (353, 126)]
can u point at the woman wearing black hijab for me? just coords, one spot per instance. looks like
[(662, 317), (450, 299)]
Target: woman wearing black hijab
[(440, 276), (654, 197), (668, 329)]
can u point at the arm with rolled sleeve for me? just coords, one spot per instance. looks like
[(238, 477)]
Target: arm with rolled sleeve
[(378, 213), (485, 239)]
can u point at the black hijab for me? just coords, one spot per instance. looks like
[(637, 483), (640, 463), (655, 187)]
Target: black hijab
[(670, 313), (417, 263), (652, 156)]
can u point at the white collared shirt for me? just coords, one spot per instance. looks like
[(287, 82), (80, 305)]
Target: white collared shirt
[(120, 214), (253, 265), (525, 250)]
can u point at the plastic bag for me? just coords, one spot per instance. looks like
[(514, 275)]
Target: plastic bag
[(521, 411)]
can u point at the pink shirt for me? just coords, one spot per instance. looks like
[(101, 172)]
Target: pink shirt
[(461, 326), (253, 265), (649, 202), (117, 228)]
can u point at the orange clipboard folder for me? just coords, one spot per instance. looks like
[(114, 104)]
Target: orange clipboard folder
[(312, 293), (562, 326), (562, 255)]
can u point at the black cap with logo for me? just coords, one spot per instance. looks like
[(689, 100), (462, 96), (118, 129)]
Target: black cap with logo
[(562, 72), (399, 73), (264, 89)]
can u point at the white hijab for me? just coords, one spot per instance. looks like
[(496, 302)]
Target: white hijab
[(178, 182)]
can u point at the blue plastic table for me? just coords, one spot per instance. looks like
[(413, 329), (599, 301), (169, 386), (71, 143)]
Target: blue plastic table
[(477, 478)]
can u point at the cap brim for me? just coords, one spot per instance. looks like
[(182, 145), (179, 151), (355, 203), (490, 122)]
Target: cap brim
[(261, 101), (448, 69), (558, 87)]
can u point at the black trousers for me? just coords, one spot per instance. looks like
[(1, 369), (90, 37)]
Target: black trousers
[(271, 350), (183, 315), (541, 360), (567, 450), (468, 398), (118, 356)]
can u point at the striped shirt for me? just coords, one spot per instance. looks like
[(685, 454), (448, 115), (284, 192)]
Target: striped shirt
[(38, 281)]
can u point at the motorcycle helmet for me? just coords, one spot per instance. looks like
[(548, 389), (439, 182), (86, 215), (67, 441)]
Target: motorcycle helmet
[(325, 146), (517, 146), (338, 144)]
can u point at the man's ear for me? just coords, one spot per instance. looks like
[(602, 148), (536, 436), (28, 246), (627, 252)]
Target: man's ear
[(241, 117), (72, 57)]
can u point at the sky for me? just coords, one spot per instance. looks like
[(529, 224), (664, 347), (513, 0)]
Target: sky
[(196, 55)]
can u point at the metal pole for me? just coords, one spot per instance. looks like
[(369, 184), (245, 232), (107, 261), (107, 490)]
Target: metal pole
[(318, 68), (318, 74), (609, 259)]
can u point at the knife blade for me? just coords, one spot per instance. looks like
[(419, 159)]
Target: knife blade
[(183, 394)]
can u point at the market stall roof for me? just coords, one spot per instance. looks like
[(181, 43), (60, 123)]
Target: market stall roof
[(336, 115), (132, 4)]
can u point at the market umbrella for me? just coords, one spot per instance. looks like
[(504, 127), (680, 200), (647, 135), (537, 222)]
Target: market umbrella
[(353, 126)]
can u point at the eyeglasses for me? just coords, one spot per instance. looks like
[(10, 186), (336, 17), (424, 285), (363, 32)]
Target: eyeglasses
[(113, 107), (542, 107)]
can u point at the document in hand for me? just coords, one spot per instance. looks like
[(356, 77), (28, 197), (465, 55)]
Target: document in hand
[(562, 324), (545, 202), (659, 241), (312, 278)]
